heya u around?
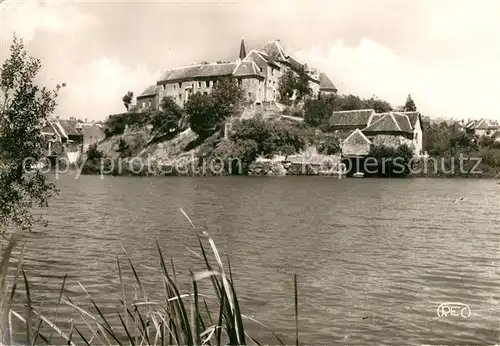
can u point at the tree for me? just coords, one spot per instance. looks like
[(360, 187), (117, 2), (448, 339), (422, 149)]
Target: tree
[(302, 85), (127, 99), (24, 109), (410, 105), (203, 118), (317, 112), (168, 120), (292, 82), (378, 105), (208, 112), (286, 86)]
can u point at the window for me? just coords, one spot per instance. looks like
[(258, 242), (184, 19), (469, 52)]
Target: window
[(205, 93), (207, 83), (180, 85), (143, 104), (175, 86), (260, 69), (149, 103), (239, 81), (180, 97), (199, 84), (163, 87)]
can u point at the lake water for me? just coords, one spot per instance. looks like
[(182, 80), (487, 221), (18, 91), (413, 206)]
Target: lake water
[(374, 258)]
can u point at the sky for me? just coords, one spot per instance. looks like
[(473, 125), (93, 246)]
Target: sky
[(445, 53)]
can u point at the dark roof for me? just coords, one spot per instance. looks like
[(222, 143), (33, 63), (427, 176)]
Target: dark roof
[(403, 122), (150, 91), (67, 127), (260, 57), (375, 117), (360, 117), (412, 116), (197, 71), (390, 122), (325, 83), (247, 68), (275, 50), (48, 128), (357, 137), (243, 51), (92, 130)]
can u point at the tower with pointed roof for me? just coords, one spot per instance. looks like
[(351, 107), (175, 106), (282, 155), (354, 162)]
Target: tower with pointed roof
[(243, 51)]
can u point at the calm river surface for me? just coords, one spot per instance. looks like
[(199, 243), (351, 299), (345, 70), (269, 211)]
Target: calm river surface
[(374, 258)]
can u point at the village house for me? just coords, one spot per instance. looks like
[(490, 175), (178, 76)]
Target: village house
[(92, 134), (70, 135), (358, 130), (148, 99), (482, 127), (257, 72)]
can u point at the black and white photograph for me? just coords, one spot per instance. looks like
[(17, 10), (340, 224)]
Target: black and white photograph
[(249, 172)]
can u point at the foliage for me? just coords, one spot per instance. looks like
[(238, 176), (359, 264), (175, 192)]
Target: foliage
[(123, 148), (24, 109), (93, 153), (330, 146), (410, 105), (291, 82), (236, 155), (168, 120), (116, 123), (389, 161), (271, 137), (378, 105), (205, 315), (208, 112), (318, 111), (127, 99)]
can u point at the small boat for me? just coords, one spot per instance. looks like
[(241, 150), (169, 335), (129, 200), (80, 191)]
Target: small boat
[(358, 175)]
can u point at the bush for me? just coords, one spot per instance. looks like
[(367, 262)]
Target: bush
[(208, 112), (318, 111), (330, 146), (93, 153), (168, 120), (271, 137), (389, 161), (116, 123), (124, 148)]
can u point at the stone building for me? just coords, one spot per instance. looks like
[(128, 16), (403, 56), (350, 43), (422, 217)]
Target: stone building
[(389, 129), (258, 73)]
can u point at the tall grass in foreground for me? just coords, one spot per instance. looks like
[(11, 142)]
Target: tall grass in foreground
[(178, 319)]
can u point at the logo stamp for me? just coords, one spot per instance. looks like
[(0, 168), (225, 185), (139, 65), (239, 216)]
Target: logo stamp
[(454, 310)]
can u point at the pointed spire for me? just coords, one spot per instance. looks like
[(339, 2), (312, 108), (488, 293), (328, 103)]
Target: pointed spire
[(243, 51)]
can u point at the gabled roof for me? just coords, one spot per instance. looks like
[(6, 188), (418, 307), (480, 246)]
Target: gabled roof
[(150, 91), (390, 122), (359, 117), (247, 68), (48, 129), (275, 50), (413, 117), (255, 55), (92, 130), (403, 122), (357, 137), (325, 84), (197, 71), (70, 127)]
